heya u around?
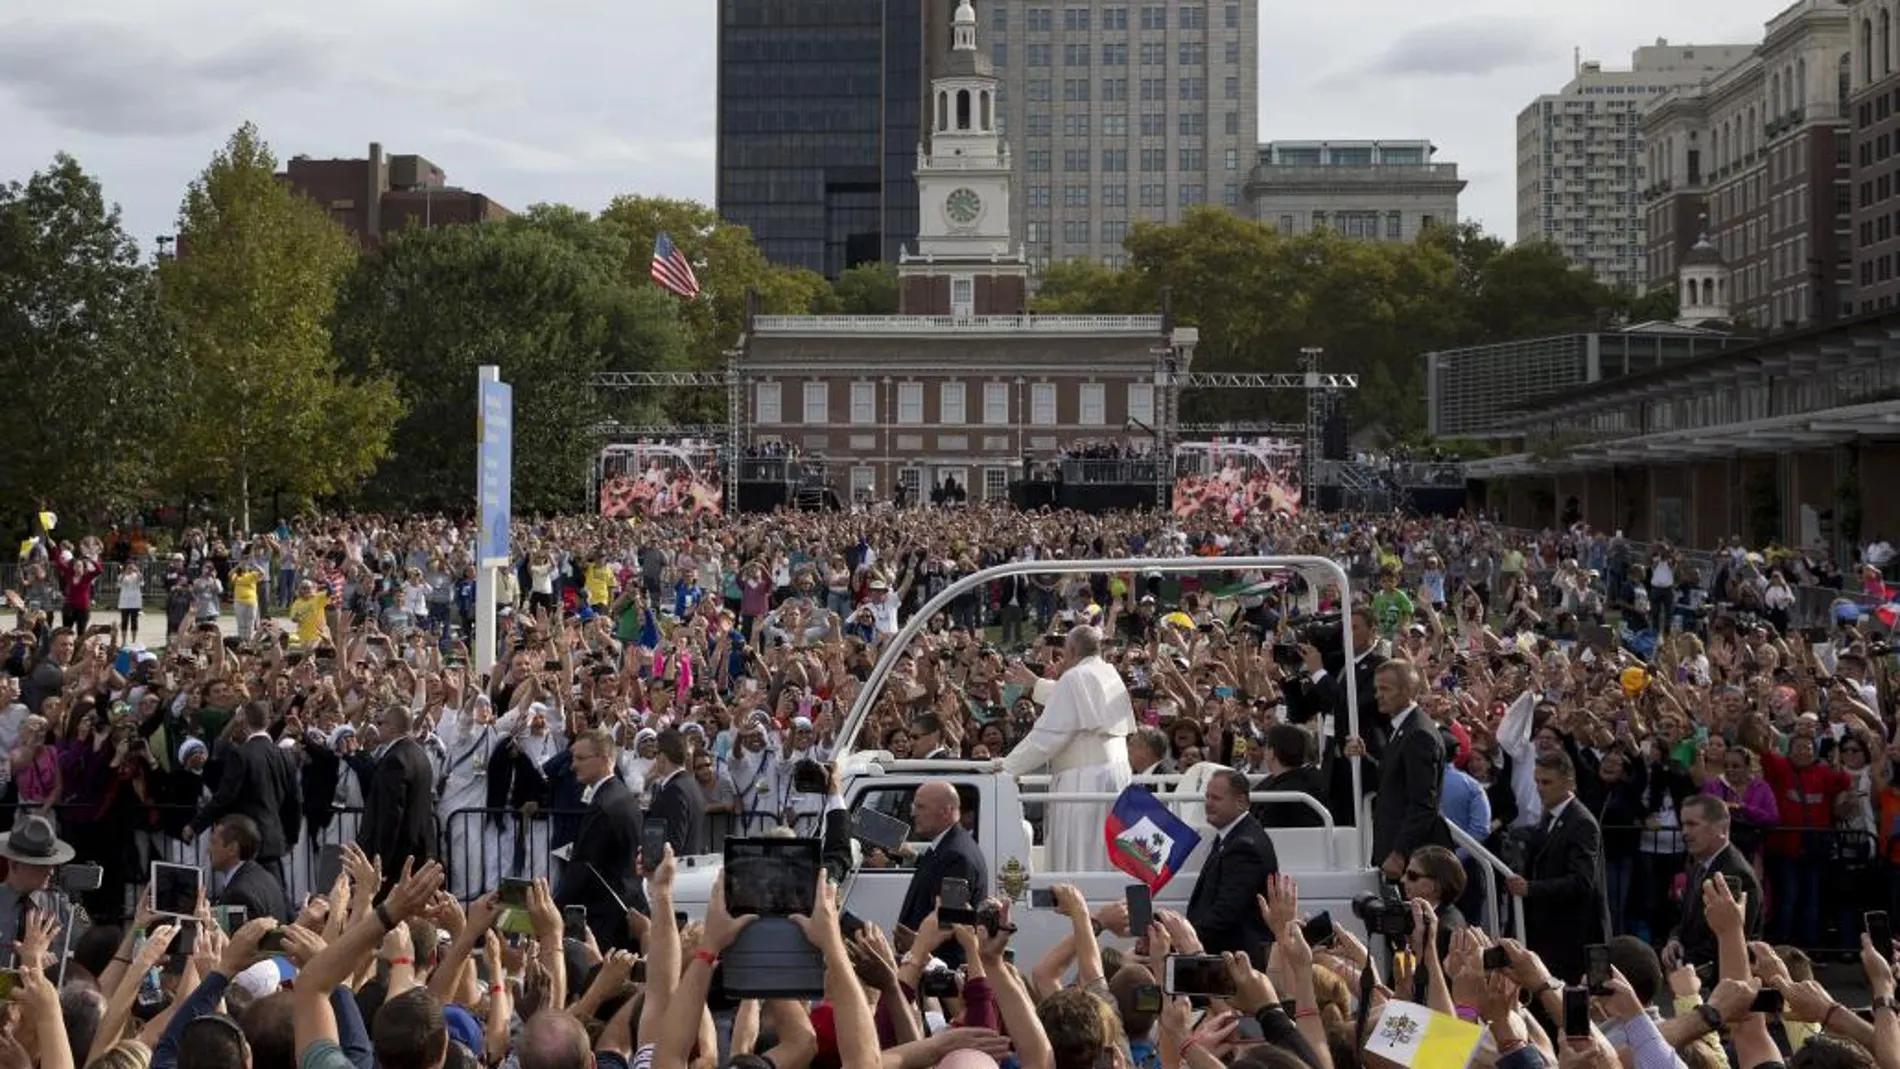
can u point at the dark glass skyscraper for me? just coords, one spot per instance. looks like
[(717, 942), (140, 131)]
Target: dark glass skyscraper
[(819, 105)]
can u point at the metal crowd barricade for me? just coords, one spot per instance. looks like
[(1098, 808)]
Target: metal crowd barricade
[(483, 845)]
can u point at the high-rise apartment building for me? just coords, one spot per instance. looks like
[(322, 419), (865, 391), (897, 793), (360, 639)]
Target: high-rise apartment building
[(1580, 170), (820, 106), (1120, 112), (1377, 190), (1875, 117), (1757, 159)]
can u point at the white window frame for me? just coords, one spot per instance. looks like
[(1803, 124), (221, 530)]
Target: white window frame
[(910, 403), (816, 408), (769, 402), (962, 295), (1093, 405), (1042, 404), (1000, 490), (863, 403), (912, 480), (996, 404), (952, 404), (1141, 402), (863, 483)]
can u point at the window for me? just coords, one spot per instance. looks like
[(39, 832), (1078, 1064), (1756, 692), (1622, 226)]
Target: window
[(1041, 124), (1230, 88), (1230, 194), (1113, 18), (863, 484), (1075, 196), (1075, 18), (996, 403), (1042, 404), (1141, 402), (1154, 195), (1193, 17), (1286, 223), (817, 410), (1393, 225), (999, 55), (1115, 159), (1039, 161), (864, 402), (1075, 55), (1115, 90), (1193, 159), (1115, 125), (1038, 54), (1154, 159), (1094, 404), (1233, 17), (1075, 126), (1075, 159), (1192, 124), (766, 403), (1075, 231), (1035, 232), (995, 484), (1154, 53), (1154, 125), (1039, 90), (1232, 125), (950, 403), (1114, 195), (962, 296), (1193, 89), (1154, 18), (1114, 231), (1115, 55), (1075, 90), (1039, 196), (910, 402), (912, 480), (1193, 54), (1039, 18), (1233, 53), (1233, 159), (1190, 195), (998, 16)]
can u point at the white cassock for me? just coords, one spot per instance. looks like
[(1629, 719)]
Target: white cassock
[(477, 840), (1082, 735), (808, 810)]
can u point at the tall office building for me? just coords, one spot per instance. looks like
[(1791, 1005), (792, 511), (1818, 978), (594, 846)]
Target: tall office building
[(1377, 190), (1875, 114), (1120, 112), (819, 115), (1580, 161)]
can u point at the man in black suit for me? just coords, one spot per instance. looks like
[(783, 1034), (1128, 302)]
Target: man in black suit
[(260, 781), (677, 803), (1290, 769), (1564, 905), (399, 806), (1318, 698), (936, 812), (1224, 909), (236, 877), (599, 873), (1705, 830), (1410, 772)]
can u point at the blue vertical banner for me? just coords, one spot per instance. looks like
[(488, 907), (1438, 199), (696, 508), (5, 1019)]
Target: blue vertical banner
[(495, 428)]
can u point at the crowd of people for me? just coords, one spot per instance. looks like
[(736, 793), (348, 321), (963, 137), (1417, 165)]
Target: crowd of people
[(1609, 725)]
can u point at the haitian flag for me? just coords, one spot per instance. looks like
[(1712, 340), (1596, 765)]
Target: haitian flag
[(1145, 840)]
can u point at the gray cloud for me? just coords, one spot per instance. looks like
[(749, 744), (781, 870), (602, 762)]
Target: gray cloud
[(1469, 47), (99, 77)]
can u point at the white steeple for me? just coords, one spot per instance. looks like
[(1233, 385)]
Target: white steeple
[(963, 35), (1704, 283)]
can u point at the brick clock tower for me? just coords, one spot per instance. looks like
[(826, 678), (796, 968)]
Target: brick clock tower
[(966, 262)]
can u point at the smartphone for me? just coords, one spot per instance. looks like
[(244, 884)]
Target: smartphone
[(175, 889), (680, 919), (638, 975), (329, 867), (938, 983), (231, 918), (881, 830), (1042, 898), (1879, 931), (1319, 930), (574, 923), (1148, 999), (1141, 909), (1597, 959), (1496, 958), (1576, 1012), (1767, 1000), (273, 941), (953, 903), (1197, 974), (514, 892), (653, 844)]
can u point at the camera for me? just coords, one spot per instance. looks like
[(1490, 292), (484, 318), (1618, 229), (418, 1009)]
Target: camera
[(1384, 915)]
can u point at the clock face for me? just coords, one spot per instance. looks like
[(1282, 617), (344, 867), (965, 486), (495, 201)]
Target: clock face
[(962, 206)]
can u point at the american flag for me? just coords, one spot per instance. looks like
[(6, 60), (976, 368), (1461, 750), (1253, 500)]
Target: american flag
[(671, 270)]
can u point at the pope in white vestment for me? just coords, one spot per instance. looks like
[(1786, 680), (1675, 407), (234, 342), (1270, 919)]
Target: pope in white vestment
[(1082, 736)]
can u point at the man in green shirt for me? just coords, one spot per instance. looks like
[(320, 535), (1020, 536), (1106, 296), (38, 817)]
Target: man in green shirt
[(1391, 606)]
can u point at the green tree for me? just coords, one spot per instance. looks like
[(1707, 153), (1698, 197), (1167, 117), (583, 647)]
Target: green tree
[(1662, 303), (542, 297), (82, 349), (865, 290), (263, 407)]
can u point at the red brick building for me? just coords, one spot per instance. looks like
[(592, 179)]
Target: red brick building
[(380, 194)]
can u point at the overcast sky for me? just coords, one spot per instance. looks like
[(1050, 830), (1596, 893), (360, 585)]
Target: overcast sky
[(575, 101)]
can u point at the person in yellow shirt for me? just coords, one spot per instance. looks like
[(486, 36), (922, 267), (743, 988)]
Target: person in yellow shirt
[(307, 612), (244, 597), (600, 584)]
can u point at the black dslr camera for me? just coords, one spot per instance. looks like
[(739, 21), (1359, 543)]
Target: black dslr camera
[(1384, 914)]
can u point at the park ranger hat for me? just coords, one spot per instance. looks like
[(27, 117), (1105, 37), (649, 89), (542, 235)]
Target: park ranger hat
[(34, 843)]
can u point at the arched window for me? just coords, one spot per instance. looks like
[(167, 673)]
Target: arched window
[(943, 110), (1748, 133), (1867, 50), (984, 99), (1886, 42), (1708, 291), (1801, 83), (963, 109)]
